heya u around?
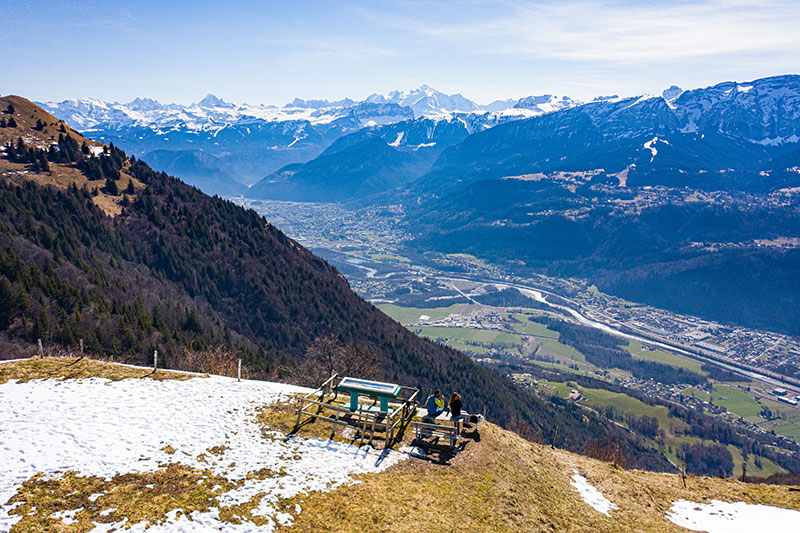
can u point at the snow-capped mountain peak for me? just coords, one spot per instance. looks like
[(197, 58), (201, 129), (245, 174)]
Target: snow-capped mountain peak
[(212, 101), (671, 93)]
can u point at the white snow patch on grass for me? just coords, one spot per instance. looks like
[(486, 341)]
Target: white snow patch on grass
[(591, 495), (67, 517), (725, 517), (99, 427)]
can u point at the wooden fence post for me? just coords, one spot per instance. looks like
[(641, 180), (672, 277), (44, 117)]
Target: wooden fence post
[(41, 349), (81, 347), (240, 370), (155, 360)]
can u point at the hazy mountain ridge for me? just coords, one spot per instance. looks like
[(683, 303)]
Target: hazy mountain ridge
[(247, 142), (718, 137), (367, 162)]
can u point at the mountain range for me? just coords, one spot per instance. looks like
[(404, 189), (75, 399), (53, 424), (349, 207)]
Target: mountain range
[(220, 146)]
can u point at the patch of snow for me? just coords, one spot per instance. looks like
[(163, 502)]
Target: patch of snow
[(96, 150), (649, 145), (106, 512), (93, 497), (99, 427), (284, 519), (398, 140), (424, 145), (591, 495), (424, 317), (725, 517), (776, 141), (68, 516)]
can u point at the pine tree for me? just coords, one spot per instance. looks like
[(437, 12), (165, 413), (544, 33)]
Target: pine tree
[(12, 123), (10, 109), (129, 189), (2, 122), (111, 187)]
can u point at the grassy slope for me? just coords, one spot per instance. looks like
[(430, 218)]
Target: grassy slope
[(26, 113), (499, 482), (504, 483), (74, 368)]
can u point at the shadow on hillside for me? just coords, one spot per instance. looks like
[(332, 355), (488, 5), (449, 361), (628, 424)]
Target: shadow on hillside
[(438, 452)]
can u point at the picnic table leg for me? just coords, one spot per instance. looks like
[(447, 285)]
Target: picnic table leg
[(385, 404), (353, 401)]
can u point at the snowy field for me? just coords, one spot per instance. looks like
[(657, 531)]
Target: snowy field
[(737, 517), (102, 428), (591, 495), (714, 517)]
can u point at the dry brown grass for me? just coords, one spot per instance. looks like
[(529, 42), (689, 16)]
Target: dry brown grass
[(504, 483), (145, 497), (73, 368), (26, 113), (282, 417)]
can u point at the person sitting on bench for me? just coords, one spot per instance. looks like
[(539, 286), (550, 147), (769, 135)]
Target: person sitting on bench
[(456, 413), (435, 404)]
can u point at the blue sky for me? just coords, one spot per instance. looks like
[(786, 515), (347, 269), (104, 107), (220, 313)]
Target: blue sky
[(270, 52)]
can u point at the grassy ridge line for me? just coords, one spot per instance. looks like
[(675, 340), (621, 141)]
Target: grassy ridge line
[(23, 370), (504, 483)]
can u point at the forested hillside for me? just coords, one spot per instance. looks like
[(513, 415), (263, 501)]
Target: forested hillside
[(177, 270)]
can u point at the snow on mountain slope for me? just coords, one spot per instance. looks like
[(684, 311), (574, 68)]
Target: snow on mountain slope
[(546, 103), (213, 113), (99, 427)]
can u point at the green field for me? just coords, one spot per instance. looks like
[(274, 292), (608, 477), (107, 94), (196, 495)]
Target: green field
[(409, 315), (526, 327), (660, 356), (623, 403), (389, 257), (736, 401), (467, 347), (562, 349), (485, 336), (786, 423)]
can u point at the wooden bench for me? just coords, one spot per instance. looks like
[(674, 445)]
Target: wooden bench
[(449, 432)]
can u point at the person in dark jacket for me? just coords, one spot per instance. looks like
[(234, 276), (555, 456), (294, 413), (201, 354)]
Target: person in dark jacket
[(456, 412)]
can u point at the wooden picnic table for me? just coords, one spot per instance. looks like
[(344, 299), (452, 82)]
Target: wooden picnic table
[(374, 389)]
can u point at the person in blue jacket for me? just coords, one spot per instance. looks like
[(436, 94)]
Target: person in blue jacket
[(435, 404)]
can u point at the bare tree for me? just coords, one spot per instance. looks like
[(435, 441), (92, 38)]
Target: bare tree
[(327, 355)]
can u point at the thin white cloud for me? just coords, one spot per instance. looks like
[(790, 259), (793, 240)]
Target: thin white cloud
[(625, 31)]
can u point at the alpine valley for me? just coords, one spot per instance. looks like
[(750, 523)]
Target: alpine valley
[(686, 201)]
